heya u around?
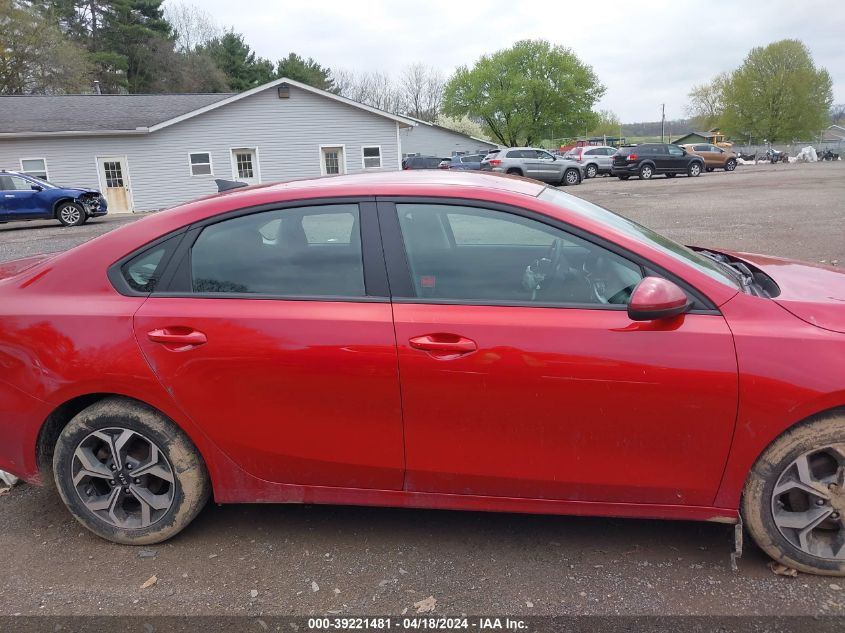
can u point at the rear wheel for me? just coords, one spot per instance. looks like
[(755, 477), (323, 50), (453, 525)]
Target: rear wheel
[(794, 499), (514, 172), (694, 170), (129, 474), (730, 165), (571, 177), (70, 214), (591, 171), (646, 172)]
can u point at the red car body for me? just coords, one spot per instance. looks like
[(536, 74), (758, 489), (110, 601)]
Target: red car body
[(562, 411)]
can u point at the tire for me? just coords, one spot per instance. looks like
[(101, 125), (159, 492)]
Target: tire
[(671, 175), (730, 165), (591, 171), (694, 170), (773, 504), (70, 213), (514, 172), (571, 177), (174, 484), (646, 172)]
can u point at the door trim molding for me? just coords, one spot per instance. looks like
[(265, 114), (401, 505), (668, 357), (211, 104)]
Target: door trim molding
[(127, 180)]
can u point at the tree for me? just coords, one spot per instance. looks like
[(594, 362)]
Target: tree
[(375, 89), (232, 55), (464, 125), (777, 94), (421, 90), (706, 103), (608, 124), (306, 71), (525, 93), (35, 57), (192, 26)]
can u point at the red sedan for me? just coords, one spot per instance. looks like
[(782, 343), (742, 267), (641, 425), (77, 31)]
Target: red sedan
[(426, 339)]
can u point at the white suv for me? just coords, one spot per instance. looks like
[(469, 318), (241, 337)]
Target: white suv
[(596, 159)]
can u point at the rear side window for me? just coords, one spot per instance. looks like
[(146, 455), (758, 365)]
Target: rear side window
[(309, 251), (701, 148), (143, 272), (514, 153)]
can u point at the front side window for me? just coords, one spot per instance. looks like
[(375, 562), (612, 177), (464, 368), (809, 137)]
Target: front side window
[(544, 155), (372, 157), (35, 167), (675, 151), (14, 183), (200, 164), (471, 254), (308, 251)]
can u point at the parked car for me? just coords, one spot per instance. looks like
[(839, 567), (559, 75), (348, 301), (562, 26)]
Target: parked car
[(535, 163), (714, 157), (466, 162), (648, 159), (596, 159), (25, 197), (422, 162), (517, 349)]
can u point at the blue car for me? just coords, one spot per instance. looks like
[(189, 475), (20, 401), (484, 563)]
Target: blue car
[(25, 197)]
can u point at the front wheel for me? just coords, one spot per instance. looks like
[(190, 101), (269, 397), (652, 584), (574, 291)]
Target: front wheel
[(571, 177), (71, 214), (793, 503), (730, 165), (592, 171), (129, 474), (694, 170)]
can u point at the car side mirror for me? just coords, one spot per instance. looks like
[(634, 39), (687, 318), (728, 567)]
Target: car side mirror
[(37, 188), (657, 298), (554, 157)]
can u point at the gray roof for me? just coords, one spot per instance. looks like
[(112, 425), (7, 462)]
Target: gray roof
[(92, 113)]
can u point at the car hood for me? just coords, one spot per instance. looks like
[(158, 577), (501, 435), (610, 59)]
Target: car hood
[(813, 292), (77, 191)]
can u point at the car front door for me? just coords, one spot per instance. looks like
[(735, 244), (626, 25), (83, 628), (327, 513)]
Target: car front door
[(676, 159), (522, 375), (20, 200), (549, 169), (273, 339)]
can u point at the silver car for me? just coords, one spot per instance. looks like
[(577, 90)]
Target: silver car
[(596, 159), (535, 163)]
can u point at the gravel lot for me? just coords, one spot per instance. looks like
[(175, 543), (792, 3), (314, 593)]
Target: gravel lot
[(304, 560)]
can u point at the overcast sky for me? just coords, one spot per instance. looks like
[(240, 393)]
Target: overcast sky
[(645, 53)]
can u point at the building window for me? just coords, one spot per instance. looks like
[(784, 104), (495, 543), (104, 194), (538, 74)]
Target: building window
[(34, 167), (201, 164), (243, 164), (372, 157)]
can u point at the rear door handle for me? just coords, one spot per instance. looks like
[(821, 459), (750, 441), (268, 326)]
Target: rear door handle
[(443, 346), (178, 339)]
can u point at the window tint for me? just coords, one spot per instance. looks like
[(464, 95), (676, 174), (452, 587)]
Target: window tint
[(528, 153), (310, 251), (702, 148), (544, 155), (14, 183), (594, 152), (472, 254), (514, 153), (143, 271)]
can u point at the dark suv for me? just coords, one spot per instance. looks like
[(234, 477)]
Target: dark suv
[(649, 159), (422, 162)]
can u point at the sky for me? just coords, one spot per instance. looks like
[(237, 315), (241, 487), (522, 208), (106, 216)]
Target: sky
[(645, 53)]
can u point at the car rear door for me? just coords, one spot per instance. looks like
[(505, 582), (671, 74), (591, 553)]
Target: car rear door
[(275, 335), (515, 390), (706, 153)]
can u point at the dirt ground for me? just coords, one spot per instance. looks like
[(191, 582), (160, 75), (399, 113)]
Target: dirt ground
[(303, 560)]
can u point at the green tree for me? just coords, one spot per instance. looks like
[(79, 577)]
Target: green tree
[(706, 104), (608, 124), (525, 93), (35, 56), (777, 94), (232, 55), (306, 71)]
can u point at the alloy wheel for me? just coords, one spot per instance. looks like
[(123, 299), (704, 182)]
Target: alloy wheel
[(571, 177), (592, 170), (808, 502), (645, 172), (123, 478), (69, 214)]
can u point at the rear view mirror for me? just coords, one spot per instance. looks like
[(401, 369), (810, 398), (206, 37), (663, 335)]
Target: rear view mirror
[(657, 298)]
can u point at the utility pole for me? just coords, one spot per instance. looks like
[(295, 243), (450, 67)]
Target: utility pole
[(662, 122)]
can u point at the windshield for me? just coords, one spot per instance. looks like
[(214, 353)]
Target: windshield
[(637, 231)]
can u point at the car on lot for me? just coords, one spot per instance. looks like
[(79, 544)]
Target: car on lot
[(430, 339), (422, 162), (714, 157), (596, 159), (25, 197), (648, 159), (464, 162), (535, 163)]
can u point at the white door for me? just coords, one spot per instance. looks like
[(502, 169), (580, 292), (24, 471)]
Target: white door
[(245, 165), (332, 161), (114, 181)]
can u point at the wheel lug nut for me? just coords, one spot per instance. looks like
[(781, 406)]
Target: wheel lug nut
[(128, 466), (137, 481), (834, 515), (113, 467), (111, 482), (819, 502), (126, 490)]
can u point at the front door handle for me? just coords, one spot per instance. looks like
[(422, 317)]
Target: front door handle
[(178, 339), (443, 346)]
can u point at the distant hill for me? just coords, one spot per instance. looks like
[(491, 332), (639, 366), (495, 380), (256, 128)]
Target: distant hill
[(675, 127)]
